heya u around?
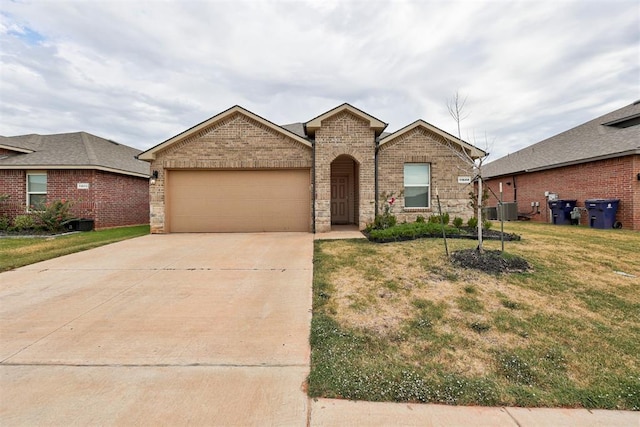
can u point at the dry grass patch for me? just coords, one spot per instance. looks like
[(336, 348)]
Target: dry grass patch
[(566, 333)]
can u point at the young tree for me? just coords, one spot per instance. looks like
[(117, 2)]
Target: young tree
[(455, 106)]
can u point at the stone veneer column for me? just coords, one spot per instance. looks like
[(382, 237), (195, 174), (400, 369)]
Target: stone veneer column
[(344, 133)]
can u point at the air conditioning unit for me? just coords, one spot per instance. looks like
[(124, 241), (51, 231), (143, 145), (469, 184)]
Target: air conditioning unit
[(510, 211)]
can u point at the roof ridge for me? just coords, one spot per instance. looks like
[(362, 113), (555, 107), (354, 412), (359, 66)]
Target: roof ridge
[(93, 159)]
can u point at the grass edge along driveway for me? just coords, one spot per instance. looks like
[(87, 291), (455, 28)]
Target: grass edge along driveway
[(397, 322), (20, 251)]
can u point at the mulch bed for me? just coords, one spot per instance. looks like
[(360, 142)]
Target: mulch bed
[(490, 261)]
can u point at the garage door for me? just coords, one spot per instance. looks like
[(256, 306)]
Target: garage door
[(238, 201)]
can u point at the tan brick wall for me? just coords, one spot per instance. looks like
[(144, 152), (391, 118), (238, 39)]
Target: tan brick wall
[(422, 146), (344, 134), (237, 142)]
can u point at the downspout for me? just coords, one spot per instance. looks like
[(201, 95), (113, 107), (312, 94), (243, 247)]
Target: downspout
[(313, 183), (375, 177), (515, 189)]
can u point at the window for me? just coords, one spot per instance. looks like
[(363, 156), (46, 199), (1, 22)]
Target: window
[(36, 190), (416, 185)]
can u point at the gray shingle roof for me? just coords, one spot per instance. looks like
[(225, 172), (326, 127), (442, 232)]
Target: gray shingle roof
[(590, 141), (72, 150), (297, 128)]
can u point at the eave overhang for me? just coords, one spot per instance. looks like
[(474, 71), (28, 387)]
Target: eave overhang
[(150, 154)]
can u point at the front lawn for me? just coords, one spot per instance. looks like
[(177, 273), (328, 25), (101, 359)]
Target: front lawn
[(399, 322), (19, 251)]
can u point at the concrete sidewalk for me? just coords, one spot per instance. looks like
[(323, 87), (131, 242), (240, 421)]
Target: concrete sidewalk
[(332, 412)]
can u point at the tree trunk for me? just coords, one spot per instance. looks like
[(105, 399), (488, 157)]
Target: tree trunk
[(479, 214)]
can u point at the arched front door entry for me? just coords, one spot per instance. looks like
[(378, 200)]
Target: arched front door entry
[(344, 190)]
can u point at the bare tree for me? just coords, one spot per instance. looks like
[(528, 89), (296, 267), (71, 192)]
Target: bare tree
[(472, 158)]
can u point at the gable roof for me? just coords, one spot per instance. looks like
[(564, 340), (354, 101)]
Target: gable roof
[(79, 150), (473, 151), (315, 123), (150, 154), (613, 135)]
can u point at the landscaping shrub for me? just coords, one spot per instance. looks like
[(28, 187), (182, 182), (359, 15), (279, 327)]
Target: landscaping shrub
[(486, 224), (24, 222), (411, 231), (472, 222), (387, 218), (55, 213), (5, 223), (420, 219), (457, 222), (436, 219)]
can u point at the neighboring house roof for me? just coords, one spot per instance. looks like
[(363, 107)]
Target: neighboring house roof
[(315, 124), (613, 135), (150, 154), (79, 150), (471, 150)]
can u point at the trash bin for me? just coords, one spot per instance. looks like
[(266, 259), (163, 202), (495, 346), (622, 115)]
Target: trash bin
[(602, 213), (561, 211), (85, 224), (79, 225)]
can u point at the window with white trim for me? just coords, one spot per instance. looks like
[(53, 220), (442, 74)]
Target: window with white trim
[(417, 177), (36, 190)]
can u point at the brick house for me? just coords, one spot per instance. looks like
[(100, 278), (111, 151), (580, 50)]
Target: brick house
[(599, 159), (102, 178), (238, 172)]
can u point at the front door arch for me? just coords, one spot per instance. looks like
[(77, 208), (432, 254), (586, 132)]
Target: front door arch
[(345, 196)]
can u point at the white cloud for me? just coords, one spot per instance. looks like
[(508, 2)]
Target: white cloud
[(141, 72)]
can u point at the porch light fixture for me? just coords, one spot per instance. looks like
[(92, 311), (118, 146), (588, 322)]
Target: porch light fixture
[(154, 176)]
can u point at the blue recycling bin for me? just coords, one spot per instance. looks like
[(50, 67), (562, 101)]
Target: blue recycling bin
[(602, 213), (561, 211)]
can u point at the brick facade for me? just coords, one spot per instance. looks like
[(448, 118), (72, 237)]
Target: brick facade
[(340, 144), (234, 142), (345, 134), (111, 200), (419, 145), (604, 179)]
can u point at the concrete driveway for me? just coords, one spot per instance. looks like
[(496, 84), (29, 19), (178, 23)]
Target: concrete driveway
[(198, 329)]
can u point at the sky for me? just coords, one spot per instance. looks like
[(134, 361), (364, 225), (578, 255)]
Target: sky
[(140, 72)]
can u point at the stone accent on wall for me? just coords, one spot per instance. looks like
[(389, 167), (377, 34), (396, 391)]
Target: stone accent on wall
[(344, 134)]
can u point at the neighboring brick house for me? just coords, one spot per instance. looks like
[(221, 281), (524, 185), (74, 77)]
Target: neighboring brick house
[(599, 159), (238, 172), (102, 178)]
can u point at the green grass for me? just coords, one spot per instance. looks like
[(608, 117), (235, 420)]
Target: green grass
[(21, 251), (565, 334)]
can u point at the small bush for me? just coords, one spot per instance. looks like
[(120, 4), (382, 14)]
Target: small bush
[(410, 230), (5, 223), (384, 221), (54, 214), (24, 222), (420, 219), (435, 219), (457, 222), (472, 222), (486, 224)]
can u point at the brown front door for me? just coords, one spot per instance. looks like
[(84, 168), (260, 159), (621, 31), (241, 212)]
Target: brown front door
[(339, 200)]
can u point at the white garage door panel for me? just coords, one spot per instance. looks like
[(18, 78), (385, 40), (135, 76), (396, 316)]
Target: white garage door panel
[(238, 201)]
